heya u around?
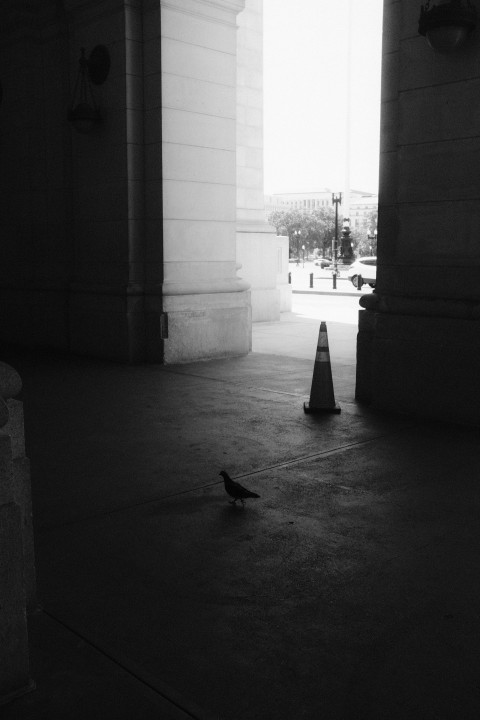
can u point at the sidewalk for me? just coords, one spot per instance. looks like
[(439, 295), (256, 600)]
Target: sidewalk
[(323, 281), (348, 591)]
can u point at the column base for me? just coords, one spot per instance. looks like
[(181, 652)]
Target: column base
[(207, 326), (420, 365), (121, 324)]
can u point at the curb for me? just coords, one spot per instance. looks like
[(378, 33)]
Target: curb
[(329, 292)]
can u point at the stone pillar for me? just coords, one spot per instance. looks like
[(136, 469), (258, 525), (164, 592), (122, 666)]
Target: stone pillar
[(34, 181), (419, 334), (260, 253), (107, 309), (208, 306), (17, 573)]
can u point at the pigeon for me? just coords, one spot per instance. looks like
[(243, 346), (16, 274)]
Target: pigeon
[(235, 490)]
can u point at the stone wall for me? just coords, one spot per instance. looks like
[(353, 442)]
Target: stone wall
[(259, 251), (73, 221), (105, 234), (264, 262), (35, 220), (107, 289), (208, 306), (99, 231)]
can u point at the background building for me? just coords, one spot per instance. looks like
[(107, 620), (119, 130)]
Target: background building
[(298, 201), (308, 202), (361, 209)]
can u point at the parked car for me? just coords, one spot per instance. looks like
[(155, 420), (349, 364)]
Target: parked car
[(364, 268), (323, 262)]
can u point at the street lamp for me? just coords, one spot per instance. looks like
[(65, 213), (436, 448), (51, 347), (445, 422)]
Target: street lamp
[(346, 245), (297, 234), (303, 255), (372, 237), (336, 200)]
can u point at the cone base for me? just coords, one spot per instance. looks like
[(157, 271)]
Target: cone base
[(309, 409)]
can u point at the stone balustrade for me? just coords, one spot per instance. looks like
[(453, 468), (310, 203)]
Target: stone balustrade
[(17, 569)]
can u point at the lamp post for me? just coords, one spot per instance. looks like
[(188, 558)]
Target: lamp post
[(336, 200), (297, 235), (346, 245), (372, 237), (303, 256)]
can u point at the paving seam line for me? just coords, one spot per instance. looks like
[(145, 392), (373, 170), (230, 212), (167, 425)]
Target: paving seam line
[(171, 369), (275, 466), (137, 672), (337, 293), (321, 453)]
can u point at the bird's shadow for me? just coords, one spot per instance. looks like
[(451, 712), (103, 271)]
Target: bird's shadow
[(238, 514)]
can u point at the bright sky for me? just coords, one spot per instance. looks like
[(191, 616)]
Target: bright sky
[(305, 94)]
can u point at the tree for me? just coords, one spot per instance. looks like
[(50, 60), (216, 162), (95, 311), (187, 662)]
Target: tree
[(279, 220), (313, 229), (366, 239), (291, 223), (320, 227)]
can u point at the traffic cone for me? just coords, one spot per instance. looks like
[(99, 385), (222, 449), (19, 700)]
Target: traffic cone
[(322, 397)]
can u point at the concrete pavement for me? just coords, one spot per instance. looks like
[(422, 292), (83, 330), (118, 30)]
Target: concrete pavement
[(349, 590)]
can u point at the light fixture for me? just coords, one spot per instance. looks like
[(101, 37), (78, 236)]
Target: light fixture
[(336, 200), (447, 25), (84, 113)]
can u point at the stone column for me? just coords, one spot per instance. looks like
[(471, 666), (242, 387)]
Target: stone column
[(17, 573), (34, 227), (262, 255), (208, 306), (107, 308), (419, 335)]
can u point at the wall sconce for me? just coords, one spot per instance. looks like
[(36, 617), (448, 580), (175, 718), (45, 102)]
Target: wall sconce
[(84, 113), (447, 25)]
